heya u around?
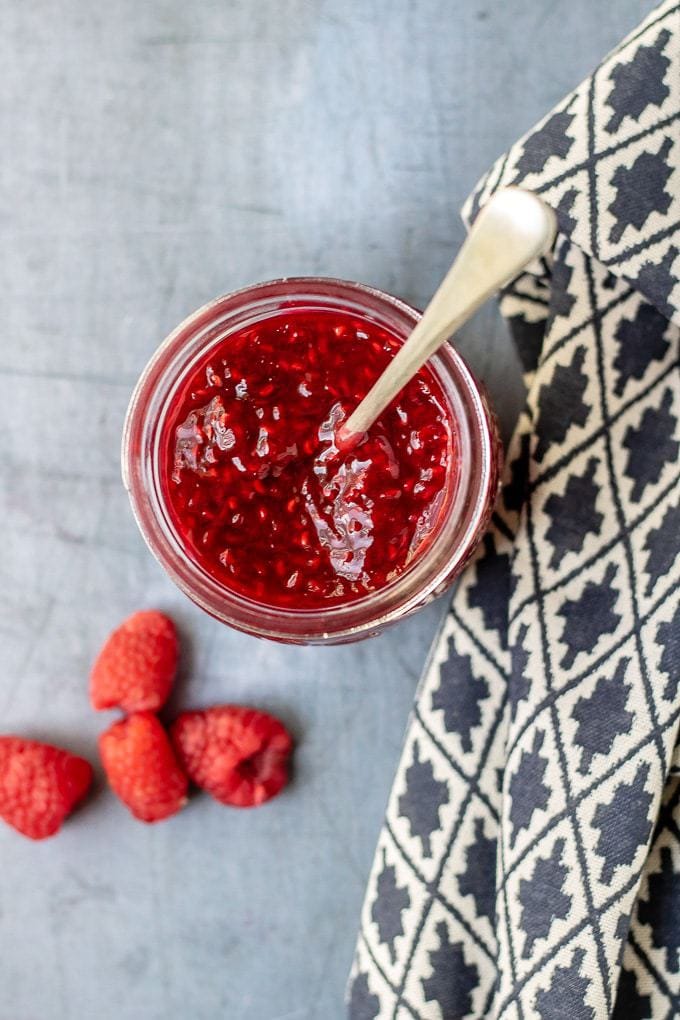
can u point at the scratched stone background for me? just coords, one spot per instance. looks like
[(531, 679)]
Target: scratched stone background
[(153, 155)]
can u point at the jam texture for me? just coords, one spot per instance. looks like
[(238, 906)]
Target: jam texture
[(256, 489)]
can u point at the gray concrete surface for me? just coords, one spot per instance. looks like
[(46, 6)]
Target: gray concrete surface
[(153, 155)]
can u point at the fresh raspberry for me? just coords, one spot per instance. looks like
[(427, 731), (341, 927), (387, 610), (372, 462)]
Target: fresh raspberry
[(141, 767), (39, 785), (135, 668), (237, 754)]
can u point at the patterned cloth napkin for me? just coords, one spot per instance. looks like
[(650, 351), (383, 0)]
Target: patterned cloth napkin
[(529, 864)]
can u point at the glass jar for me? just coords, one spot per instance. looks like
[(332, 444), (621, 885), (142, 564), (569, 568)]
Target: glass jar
[(461, 524)]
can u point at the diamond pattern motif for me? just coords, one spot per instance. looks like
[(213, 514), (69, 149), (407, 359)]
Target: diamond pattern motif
[(542, 897), (623, 823), (651, 444), (528, 792), (459, 696), (574, 514), (452, 980), (390, 902), (641, 190), (422, 799), (533, 833), (566, 994), (640, 341), (480, 862), (603, 716), (639, 83), (561, 403), (589, 616)]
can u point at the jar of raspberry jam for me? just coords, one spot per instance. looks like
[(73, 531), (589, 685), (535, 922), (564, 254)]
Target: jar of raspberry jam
[(241, 493)]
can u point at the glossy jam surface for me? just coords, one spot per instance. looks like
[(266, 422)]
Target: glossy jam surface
[(256, 489)]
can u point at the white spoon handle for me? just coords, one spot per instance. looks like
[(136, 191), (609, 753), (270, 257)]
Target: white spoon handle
[(512, 229)]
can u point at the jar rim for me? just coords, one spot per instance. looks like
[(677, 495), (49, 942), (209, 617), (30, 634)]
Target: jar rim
[(448, 548)]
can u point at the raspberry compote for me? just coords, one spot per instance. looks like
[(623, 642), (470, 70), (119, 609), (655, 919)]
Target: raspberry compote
[(235, 481), (259, 493)]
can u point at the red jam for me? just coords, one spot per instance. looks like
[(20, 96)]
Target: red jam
[(257, 491)]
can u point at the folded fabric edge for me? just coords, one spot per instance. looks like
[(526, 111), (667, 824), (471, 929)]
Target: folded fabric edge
[(608, 173)]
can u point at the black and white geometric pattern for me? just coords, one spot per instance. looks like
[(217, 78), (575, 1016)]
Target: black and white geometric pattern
[(529, 864)]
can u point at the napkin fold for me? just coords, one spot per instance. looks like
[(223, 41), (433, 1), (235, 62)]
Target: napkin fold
[(529, 863)]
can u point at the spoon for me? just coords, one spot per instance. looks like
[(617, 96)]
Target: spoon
[(511, 230)]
